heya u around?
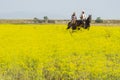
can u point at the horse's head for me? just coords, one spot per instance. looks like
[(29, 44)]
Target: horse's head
[(89, 18), (88, 21)]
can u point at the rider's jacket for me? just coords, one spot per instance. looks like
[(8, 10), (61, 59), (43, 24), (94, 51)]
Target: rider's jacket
[(74, 18), (83, 16)]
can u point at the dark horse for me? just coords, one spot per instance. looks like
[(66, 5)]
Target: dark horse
[(80, 24)]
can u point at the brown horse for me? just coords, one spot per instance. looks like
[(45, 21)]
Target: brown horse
[(79, 24)]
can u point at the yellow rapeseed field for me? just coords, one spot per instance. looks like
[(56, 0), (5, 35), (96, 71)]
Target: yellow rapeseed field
[(50, 52)]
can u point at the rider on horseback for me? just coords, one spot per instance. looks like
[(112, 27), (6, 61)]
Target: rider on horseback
[(83, 18), (73, 18)]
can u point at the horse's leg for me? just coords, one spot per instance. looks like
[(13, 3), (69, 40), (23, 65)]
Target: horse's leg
[(78, 27), (69, 25), (88, 28), (73, 27)]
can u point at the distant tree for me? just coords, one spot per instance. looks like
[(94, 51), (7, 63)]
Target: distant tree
[(46, 19), (99, 20), (36, 20)]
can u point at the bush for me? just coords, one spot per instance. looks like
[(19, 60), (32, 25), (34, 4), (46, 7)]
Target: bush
[(99, 20), (46, 19), (36, 20)]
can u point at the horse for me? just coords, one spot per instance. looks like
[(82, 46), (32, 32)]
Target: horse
[(79, 24)]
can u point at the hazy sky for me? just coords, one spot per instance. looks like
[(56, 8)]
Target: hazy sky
[(59, 9)]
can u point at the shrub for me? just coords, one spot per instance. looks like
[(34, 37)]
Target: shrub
[(99, 20)]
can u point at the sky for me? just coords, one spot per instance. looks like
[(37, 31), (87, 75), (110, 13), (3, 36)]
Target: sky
[(58, 9)]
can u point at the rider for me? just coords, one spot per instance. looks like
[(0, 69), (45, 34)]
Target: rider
[(73, 18), (83, 17)]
